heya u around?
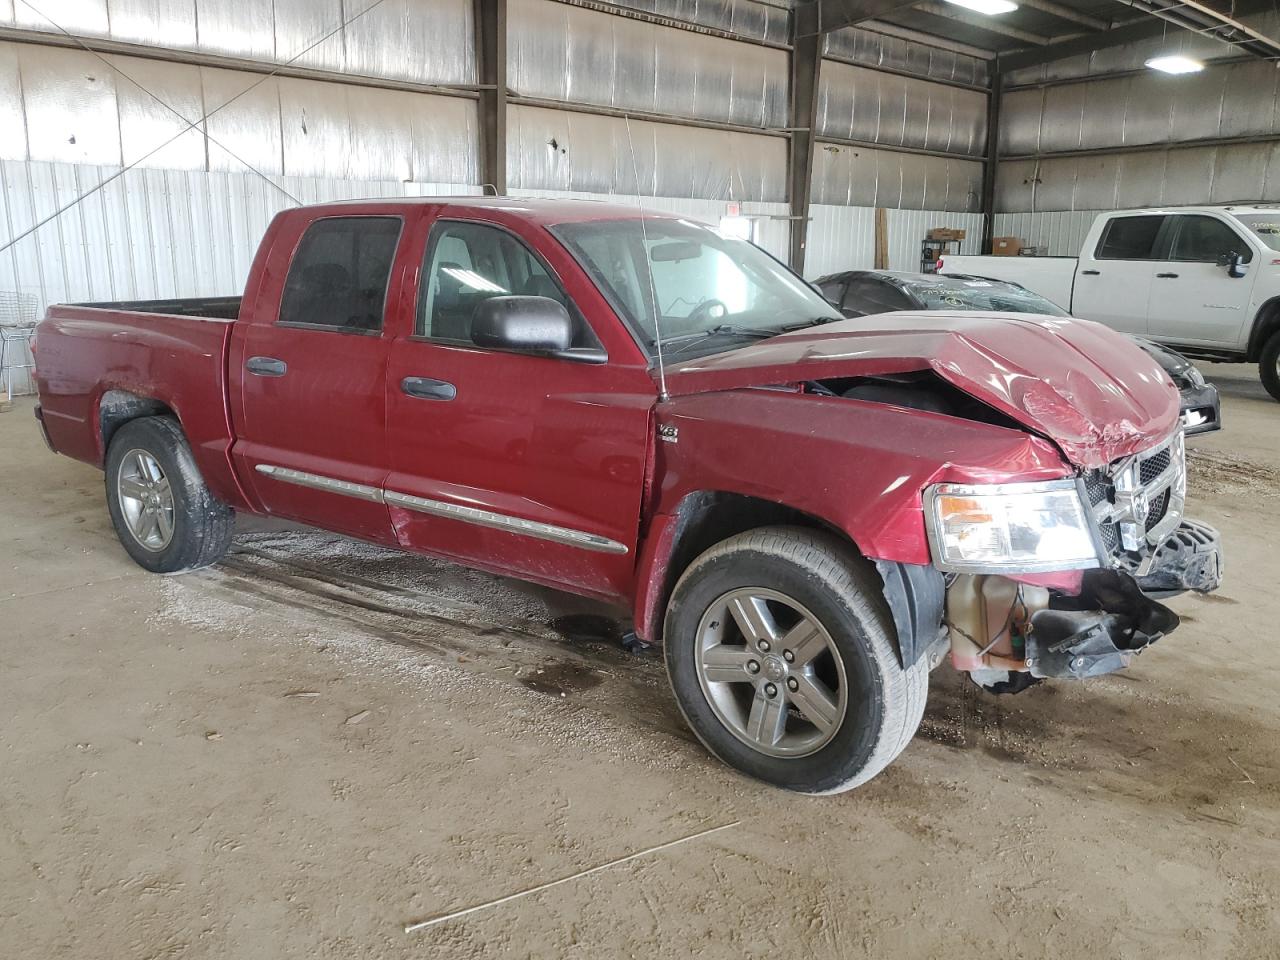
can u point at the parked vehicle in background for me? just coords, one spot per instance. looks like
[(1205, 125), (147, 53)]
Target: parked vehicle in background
[(859, 293), (1205, 280), (789, 504)]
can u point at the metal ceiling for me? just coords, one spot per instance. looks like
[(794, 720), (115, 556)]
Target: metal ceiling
[(1042, 31)]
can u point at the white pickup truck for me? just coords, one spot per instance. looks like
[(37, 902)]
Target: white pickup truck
[(1205, 280)]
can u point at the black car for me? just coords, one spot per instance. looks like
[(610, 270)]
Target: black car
[(859, 293)]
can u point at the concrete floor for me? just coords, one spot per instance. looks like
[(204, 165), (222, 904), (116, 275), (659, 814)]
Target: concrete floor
[(298, 752)]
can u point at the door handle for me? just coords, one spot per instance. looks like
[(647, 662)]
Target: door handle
[(266, 367), (1090, 273), (1167, 276), (424, 388)]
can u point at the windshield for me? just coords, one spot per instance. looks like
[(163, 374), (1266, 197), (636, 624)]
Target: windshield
[(972, 293), (705, 284), (1265, 226)]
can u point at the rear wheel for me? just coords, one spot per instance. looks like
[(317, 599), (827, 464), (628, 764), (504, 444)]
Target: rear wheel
[(780, 649), (165, 516), (1269, 365)]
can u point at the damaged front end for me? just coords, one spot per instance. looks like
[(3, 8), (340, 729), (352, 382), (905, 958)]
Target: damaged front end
[(1064, 579)]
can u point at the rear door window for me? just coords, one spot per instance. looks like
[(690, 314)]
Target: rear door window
[(338, 277), (1130, 238)]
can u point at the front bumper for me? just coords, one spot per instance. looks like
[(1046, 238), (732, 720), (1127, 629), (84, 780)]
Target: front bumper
[(1115, 615)]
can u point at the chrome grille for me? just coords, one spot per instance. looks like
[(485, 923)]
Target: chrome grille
[(1153, 466), (1138, 500)]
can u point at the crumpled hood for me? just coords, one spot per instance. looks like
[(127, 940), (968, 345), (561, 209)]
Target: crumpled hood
[(1091, 390)]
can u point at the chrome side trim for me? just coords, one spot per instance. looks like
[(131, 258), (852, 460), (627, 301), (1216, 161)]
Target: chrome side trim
[(483, 518), (500, 521), (286, 475)]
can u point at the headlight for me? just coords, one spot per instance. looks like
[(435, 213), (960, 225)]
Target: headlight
[(1009, 528), (1193, 377)]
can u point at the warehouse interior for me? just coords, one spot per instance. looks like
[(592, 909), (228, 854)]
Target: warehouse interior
[(320, 747)]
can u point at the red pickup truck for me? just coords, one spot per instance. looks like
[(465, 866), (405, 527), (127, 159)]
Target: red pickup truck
[(808, 513)]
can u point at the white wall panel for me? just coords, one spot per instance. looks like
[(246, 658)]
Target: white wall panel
[(151, 233), (843, 237), (1062, 231)]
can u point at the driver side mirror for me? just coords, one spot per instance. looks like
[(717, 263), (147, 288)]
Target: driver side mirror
[(525, 324), (1234, 264)]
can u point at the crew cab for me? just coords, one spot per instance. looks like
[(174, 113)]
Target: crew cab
[(861, 293), (808, 513), (1204, 280)]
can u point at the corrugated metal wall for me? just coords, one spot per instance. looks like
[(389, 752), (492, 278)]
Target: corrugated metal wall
[(866, 176), (1143, 135), (843, 237), (859, 103), (561, 52), (1235, 100), (69, 106), (1216, 174), (872, 49), (185, 220), (400, 40), (767, 21), (566, 150), (152, 233)]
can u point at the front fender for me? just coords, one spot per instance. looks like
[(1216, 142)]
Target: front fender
[(855, 467)]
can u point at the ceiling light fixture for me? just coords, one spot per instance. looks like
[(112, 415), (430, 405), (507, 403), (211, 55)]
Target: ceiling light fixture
[(989, 7), (1175, 63)]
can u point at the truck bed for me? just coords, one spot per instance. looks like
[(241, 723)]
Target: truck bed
[(95, 363), (214, 308), (1051, 277)]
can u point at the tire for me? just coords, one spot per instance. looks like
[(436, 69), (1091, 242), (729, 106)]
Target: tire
[(173, 524), (816, 577), (1269, 366)]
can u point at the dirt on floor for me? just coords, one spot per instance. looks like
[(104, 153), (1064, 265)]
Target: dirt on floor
[(316, 743)]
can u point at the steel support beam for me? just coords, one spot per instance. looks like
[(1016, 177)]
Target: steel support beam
[(806, 68), (490, 17), (1116, 37), (1209, 21), (834, 14), (992, 161), (1070, 14)]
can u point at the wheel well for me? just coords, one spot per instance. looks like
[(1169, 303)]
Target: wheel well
[(708, 517), (118, 407), (1265, 324)]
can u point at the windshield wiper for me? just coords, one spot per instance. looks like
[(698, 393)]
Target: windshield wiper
[(811, 322), (685, 340)]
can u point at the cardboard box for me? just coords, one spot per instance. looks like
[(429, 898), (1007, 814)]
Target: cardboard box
[(1006, 246), (945, 233)]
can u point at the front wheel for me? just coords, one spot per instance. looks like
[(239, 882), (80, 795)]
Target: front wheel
[(1269, 366), (780, 650), (165, 516)]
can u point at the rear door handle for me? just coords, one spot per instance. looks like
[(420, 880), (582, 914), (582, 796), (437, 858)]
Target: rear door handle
[(1167, 276), (1090, 273), (424, 388), (266, 367)]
